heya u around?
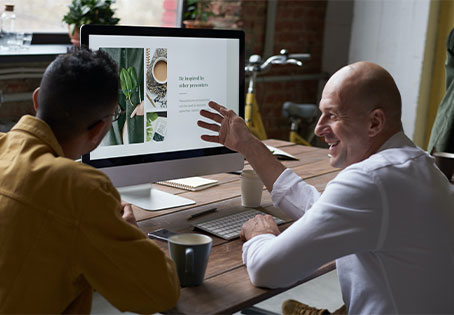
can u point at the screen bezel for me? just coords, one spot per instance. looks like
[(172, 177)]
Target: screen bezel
[(87, 30)]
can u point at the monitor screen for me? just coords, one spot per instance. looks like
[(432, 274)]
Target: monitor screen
[(167, 75)]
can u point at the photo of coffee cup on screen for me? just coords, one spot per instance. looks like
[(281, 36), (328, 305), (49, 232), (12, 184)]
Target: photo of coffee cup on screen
[(160, 70), (156, 78)]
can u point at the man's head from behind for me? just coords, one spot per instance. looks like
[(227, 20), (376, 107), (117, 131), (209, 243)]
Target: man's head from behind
[(78, 94), (361, 109)]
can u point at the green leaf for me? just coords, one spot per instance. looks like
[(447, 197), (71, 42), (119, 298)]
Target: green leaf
[(149, 134), (152, 116), (85, 9), (133, 76), (125, 82)]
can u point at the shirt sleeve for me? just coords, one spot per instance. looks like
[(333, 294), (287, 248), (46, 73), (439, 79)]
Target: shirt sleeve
[(291, 194), (346, 219), (120, 262)]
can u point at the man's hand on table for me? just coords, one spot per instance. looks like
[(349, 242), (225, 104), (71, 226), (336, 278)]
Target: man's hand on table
[(128, 214), (261, 224)]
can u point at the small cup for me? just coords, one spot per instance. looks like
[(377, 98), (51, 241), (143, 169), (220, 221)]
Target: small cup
[(27, 40), (190, 252), (251, 189), (159, 70), (14, 40)]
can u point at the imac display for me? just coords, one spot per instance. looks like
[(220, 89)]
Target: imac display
[(167, 75)]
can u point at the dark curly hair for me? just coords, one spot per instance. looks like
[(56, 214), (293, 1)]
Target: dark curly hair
[(76, 90)]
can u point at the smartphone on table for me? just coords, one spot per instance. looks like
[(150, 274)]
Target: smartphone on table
[(161, 234)]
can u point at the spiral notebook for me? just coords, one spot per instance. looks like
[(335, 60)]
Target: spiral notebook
[(190, 183)]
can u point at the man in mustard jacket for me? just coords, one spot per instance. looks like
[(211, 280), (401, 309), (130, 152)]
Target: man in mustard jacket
[(63, 228)]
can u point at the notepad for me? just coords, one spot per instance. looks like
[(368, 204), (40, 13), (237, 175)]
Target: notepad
[(190, 183), (280, 154)]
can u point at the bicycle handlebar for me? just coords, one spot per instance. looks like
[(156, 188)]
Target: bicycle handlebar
[(283, 58), (300, 56)]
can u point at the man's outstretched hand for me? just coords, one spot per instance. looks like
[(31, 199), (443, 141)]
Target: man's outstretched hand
[(232, 130)]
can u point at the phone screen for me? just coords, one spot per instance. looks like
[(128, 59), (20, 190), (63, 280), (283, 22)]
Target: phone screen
[(161, 234)]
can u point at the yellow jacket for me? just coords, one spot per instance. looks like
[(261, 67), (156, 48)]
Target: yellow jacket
[(61, 234)]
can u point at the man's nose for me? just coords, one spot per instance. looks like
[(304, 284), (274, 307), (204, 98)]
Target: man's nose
[(320, 128)]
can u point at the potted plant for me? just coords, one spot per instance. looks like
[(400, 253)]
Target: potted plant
[(197, 13), (88, 12)]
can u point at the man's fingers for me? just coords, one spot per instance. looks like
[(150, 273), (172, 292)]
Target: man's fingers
[(226, 112), (210, 138), (219, 108), (133, 113), (213, 116), (215, 106), (242, 236), (126, 207), (203, 124)]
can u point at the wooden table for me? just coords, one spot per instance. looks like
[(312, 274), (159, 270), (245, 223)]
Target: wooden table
[(227, 288)]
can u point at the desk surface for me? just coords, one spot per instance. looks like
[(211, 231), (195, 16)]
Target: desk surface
[(227, 288)]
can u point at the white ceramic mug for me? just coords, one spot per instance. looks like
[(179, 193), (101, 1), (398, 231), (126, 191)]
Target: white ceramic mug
[(251, 189)]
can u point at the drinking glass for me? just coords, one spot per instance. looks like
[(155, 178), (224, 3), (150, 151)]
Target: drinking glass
[(27, 40)]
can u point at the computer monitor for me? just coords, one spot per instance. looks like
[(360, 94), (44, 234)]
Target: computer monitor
[(167, 76)]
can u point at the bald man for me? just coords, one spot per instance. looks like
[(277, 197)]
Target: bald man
[(387, 218)]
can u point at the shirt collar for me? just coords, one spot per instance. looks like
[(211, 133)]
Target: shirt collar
[(41, 130), (398, 140)]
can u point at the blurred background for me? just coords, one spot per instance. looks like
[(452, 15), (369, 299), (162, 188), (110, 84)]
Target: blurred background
[(407, 37)]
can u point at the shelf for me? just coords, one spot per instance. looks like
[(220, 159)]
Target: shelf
[(36, 53)]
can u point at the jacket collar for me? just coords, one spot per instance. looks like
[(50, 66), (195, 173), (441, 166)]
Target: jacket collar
[(41, 130)]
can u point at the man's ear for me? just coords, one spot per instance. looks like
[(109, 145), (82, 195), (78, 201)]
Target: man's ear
[(377, 119), (35, 99), (96, 133)]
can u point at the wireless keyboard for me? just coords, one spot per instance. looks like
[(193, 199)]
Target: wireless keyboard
[(229, 226)]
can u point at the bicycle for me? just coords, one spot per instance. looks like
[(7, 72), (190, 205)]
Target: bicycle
[(298, 113), (255, 66)]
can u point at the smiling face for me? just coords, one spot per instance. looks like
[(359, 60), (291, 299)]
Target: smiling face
[(353, 113), (345, 130)]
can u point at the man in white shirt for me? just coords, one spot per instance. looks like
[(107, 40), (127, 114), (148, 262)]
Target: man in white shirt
[(387, 218)]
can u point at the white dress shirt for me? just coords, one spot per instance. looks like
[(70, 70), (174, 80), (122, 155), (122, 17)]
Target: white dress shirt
[(389, 222)]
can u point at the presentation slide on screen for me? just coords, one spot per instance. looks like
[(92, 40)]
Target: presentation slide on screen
[(165, 82)]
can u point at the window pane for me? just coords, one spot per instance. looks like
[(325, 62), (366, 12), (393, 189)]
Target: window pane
[(40, 15), (46, 15), (140, 12)]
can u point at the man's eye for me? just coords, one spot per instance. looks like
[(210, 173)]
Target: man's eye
[(332, 116)]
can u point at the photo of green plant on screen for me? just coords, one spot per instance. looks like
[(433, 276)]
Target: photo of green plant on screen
[(129, 128)]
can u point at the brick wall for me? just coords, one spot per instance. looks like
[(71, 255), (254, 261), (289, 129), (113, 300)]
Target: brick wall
[(299, 27), (16, 90)]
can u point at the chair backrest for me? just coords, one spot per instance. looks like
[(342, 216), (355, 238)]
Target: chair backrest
[(445, 162)]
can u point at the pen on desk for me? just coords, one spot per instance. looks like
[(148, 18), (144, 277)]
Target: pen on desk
[(198, 214)]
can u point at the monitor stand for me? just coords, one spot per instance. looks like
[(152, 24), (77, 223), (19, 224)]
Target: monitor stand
[(148, 198)]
